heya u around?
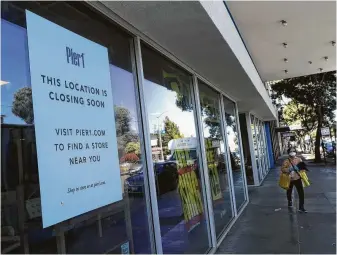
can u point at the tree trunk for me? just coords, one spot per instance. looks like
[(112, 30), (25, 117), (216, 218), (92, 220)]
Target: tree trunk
[(318, 158), (311, 146)]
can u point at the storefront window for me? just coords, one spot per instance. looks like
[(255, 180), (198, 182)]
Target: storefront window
[(257, 146), (235, 152), (170, 109), (263, 149), (215, 154), (121, 227), (258, 137), (246, 149), (264, 130)]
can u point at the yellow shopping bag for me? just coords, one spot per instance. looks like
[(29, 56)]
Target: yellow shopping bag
[(284, 181), (304, 178)]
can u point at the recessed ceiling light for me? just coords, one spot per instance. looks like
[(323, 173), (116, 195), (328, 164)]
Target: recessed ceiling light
[(326, 58), (284, 23), (310, 62), (286, 71), (285, 60), (285, 45), (3, 82)]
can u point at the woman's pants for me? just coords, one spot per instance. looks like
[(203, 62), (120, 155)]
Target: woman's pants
[(300, 191)]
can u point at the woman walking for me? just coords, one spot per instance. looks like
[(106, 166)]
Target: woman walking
[(289, 166)]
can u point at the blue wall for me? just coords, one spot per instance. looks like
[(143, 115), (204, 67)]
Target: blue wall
[(269, 145)]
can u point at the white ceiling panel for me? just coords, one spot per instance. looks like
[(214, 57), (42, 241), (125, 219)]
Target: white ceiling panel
[(311, 26)]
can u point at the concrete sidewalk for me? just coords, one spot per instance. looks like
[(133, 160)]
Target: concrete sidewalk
[(269, 226)]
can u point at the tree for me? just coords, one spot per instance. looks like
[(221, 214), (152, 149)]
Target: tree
[(211, 118), (133, 147), (124, 132), (23, 105), (296, 113), (171, 132), (317, 91), (129, 158)]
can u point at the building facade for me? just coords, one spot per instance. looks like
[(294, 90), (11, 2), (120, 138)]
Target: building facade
[(167, 98)]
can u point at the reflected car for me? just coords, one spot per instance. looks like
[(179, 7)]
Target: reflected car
[(329, 149), (136, 168), (235, 160), (166, 175)]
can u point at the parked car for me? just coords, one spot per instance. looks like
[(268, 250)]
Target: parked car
[(166, 179), (330, 148), (136, 168)]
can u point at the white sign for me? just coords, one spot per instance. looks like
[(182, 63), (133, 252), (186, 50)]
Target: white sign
[(215, 143), (183, 143), (154, 142), (295, 127), (288, 134), (74, 121), (325, 131)]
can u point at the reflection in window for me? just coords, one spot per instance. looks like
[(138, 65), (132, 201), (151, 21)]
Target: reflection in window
[(122, 225), (262, 149), (215, 155), (246, 149), (256, 146), (168, 99), (15, 76), (234, 147)]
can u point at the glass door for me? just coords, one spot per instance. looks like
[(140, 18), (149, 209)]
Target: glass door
[(217, 164), (262, 149), (234, 152), (256, 147), (169, 103)]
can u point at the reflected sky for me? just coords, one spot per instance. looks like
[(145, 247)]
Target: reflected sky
[(14, 67), (161, 100), (15, 71)]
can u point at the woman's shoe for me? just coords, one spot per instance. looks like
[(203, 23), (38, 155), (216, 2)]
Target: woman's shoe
[(302, 210)]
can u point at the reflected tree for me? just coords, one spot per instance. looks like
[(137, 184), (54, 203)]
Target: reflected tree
[(124, 132), (22, 106), (133, 147), (171, 132)]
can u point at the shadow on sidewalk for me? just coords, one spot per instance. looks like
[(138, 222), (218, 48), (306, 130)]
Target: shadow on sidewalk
[(269, 226)]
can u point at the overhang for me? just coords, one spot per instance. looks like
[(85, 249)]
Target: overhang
[(203, 37), (309, 32)]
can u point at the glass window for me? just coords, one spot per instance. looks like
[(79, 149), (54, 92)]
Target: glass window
[(169, 104), (215, 154), (234, 147), (266, 145), (246, 149), (119, 226), (255, 131), (262, 150), (252, 126)]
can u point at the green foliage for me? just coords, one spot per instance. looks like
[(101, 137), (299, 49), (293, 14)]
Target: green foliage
[(23, 105), (313, 102), (317, 90), (124, 132), (171, 132), (133, 147), (211, 117), (296, 113)]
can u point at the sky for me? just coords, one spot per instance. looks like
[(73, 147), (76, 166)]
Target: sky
[(160, 102), (14, 67)]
